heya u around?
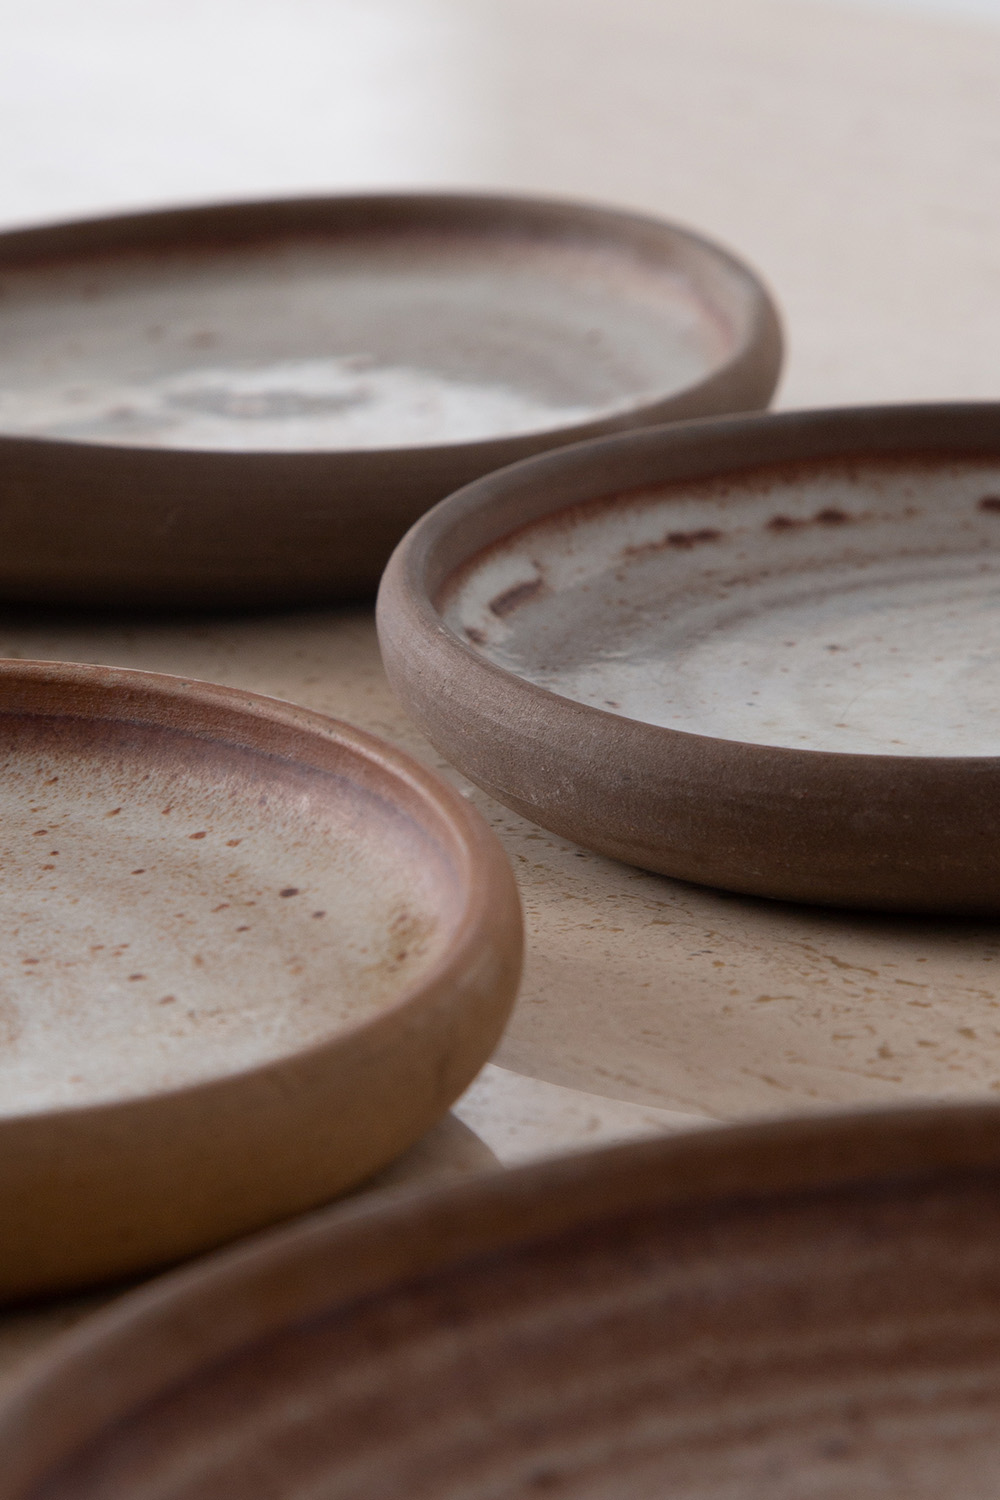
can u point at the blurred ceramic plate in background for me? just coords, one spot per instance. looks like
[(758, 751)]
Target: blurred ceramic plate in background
[(250, 403)]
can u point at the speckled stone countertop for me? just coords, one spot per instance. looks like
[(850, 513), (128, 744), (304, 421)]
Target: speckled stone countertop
[(851, 154)]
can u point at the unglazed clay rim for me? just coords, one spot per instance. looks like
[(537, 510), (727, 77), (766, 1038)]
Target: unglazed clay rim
[(154, 1338), (928, 848), (490, 894), (752, 368)]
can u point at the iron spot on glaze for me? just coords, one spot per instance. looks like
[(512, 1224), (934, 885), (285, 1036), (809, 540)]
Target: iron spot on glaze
[(511, 598), (682, 540)]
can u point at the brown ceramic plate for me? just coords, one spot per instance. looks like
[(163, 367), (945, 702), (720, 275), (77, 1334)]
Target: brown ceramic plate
[(806, 1308), (250, 954), (760, 653), (251, 403)]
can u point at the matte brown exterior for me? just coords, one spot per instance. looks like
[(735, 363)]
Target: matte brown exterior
[(96, 524), (810, 1306), (92, 1193), (909, 833)]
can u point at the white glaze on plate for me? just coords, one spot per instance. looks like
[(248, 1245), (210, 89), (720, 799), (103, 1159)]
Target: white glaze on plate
[(850, 606), (362, 342), (161, 926)]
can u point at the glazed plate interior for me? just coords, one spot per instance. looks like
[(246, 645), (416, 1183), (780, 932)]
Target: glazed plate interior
[(177, 910), (841, 605), (400, 337)]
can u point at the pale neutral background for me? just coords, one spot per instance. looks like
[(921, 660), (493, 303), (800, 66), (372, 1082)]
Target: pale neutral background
[(852, 152)]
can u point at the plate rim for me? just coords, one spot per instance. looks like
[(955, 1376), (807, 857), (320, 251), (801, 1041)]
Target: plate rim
[(418, 646)]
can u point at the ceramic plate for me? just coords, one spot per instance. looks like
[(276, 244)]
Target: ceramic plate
[(250, 955), (251, 403), (809, 1308), (759, 653)]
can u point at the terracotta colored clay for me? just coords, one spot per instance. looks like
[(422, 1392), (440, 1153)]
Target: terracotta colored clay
[(810, 1307), (250, 955), (251, 403), (757, 653)]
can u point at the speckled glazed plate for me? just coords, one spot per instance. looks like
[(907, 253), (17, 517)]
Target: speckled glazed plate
[(806, 1308), (760, 653), (250, 954), (251, 403)]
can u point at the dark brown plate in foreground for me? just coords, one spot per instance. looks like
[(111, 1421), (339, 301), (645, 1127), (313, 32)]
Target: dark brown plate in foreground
[(760, 652), (250, 404), (250, 954), (810, 1307)]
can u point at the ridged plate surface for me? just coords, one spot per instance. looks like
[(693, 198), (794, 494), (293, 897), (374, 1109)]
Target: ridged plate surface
[(811, 1309)]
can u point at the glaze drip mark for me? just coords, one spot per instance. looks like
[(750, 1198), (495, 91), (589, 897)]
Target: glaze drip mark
[(511, 598), (989, 503), (683, 540), (477, 637), (830, 515)]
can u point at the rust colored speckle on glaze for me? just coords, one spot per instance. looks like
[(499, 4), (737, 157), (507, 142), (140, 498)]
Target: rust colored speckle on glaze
[(738, 644), (76, 1031)]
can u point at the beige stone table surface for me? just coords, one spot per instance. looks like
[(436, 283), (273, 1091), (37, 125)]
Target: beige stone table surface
[(853, 154)]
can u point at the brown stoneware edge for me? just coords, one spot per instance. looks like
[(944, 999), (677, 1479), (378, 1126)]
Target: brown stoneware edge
[(94, 1192), (90, 523), (909, 833), (154, 1340)]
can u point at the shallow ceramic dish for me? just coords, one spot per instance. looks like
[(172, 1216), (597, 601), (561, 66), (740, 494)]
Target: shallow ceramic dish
[(759, 653), (250, 955), (811, 1307), (251, 403)]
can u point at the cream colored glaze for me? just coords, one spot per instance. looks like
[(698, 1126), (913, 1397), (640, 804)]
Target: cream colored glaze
[(162, 926), (851, 607), (370, 342)]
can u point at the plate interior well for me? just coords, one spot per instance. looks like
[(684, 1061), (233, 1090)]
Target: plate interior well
[(346, 341), (848, 606), (177, 909)]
